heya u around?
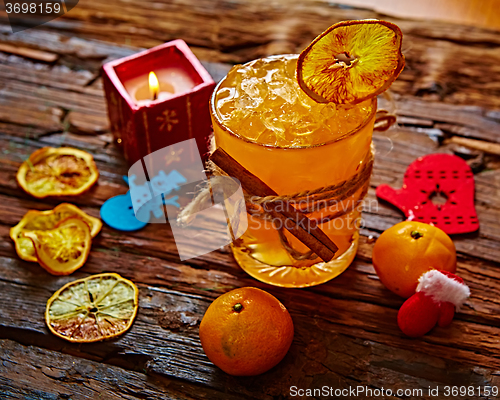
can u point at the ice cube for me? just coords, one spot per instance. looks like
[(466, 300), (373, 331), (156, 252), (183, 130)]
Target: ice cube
[(284, 88), (306, 101), (252, 126), (273, 123), (254, 88), (257, 69), (268, 137), (236, 75), (290, 67), (305, 126), (245, 101), (333, 125), (273, 101), (290, 113), (225, 103), (271, 75), (326, 111)]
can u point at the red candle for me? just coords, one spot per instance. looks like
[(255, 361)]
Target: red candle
[(151, 111)]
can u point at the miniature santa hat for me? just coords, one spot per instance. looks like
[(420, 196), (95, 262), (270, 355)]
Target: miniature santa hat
[(438, 295)]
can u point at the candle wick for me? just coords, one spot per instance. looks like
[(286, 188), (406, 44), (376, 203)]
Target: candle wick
[(155, 95)]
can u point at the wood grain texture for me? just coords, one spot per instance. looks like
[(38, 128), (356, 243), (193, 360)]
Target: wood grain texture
[(346, 331), (54, 375), (442, 60), (468, 12)]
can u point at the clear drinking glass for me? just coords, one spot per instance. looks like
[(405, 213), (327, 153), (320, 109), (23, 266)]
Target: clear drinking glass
[(268, 124)]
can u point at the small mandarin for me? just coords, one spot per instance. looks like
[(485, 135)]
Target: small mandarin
[(246, 332), (405, 251)]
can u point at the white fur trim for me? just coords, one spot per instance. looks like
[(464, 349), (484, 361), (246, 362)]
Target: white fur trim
[(443, 288)]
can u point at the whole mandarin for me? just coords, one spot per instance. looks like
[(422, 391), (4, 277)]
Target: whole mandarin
[(246, 332), (405, 251)]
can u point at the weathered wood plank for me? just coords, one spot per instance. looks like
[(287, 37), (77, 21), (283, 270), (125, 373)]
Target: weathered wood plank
[(442, 62), (19, 92), (164, 337), (87, 123), (470, 118), (156, 246), (46, 118), (58, 77), (81, 50), (29, 372)]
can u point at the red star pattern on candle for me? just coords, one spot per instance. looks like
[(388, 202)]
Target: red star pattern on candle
[(168, 120)]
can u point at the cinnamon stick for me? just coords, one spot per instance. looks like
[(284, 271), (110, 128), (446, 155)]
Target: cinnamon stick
[(293, 220)]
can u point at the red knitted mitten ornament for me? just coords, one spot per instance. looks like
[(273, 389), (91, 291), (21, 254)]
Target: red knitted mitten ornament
[(438, 295)]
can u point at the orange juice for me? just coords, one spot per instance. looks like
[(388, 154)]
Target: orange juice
[(265, 121)]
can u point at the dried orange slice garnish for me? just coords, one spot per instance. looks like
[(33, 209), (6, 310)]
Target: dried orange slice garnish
[(351, 61), (35, 220), (92, 309), (64, 171), (65, 248)]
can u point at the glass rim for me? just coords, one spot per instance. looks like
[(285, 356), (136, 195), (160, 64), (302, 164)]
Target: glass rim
[(218, 120)]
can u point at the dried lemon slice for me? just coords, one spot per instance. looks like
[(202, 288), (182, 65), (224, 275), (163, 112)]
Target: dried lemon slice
[(64, 171), (65, 248), (94, 308), (44, 220), (351, 61)]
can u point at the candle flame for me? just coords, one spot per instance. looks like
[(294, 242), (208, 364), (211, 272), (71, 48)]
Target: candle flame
[(154, 85)]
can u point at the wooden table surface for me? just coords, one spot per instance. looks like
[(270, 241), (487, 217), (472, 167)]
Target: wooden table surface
[(345, 330)]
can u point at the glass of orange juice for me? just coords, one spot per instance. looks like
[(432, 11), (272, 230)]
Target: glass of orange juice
[(263, 119)]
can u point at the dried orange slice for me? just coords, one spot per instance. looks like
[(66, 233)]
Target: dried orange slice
[(64, 171), (65, 248), (35, 220), (92, 309), (351, 61)]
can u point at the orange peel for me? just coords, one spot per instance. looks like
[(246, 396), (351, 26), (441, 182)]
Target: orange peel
[(351, 61), (92, 309), (63, 171)]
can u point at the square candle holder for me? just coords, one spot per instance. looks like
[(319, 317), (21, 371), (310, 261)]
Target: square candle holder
[(142, 125)]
